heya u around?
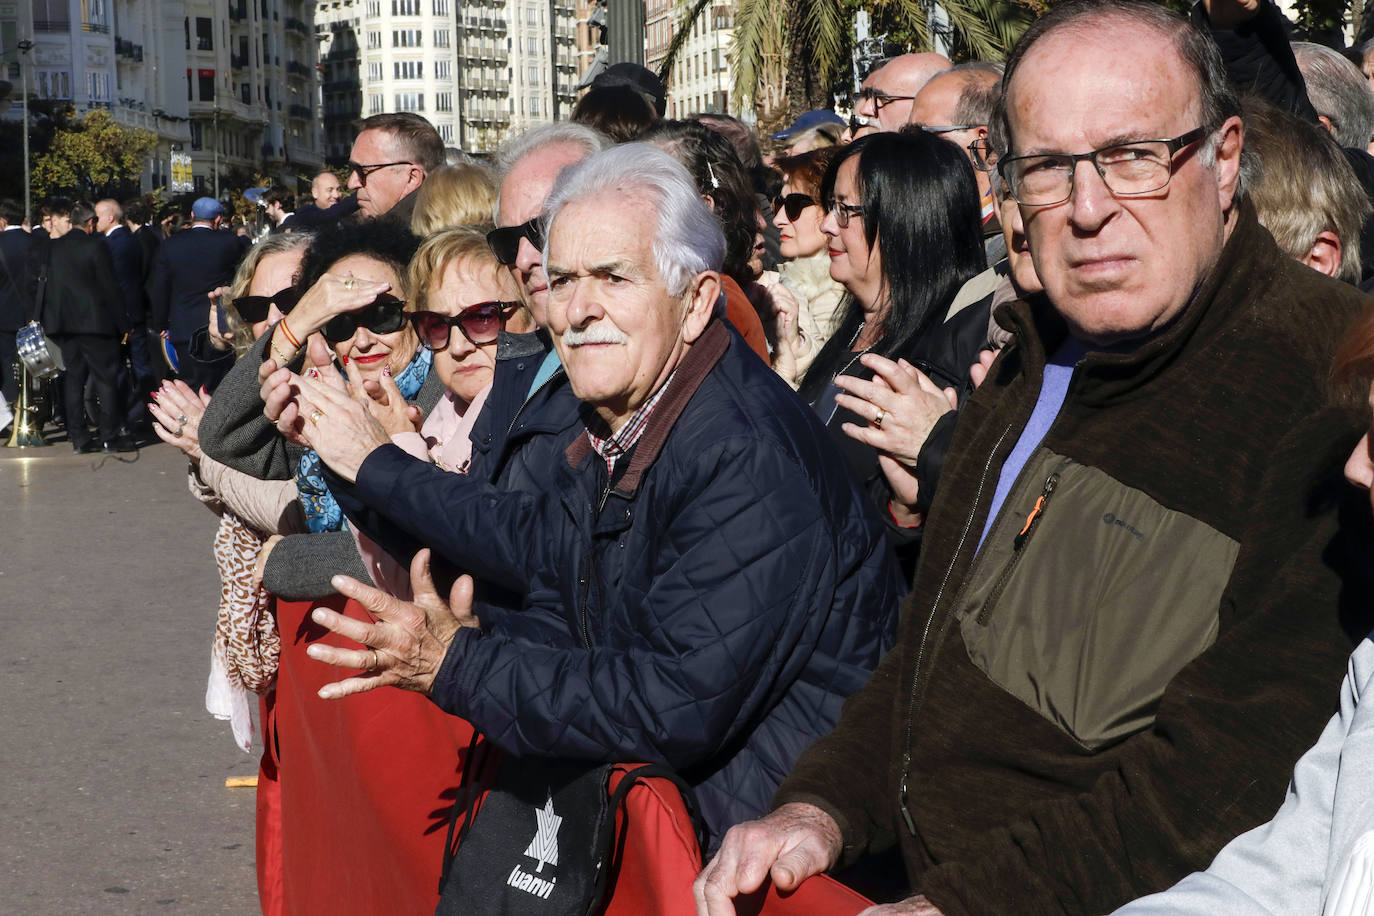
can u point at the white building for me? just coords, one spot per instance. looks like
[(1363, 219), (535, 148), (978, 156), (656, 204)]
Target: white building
[(700, 80), (477, 70)]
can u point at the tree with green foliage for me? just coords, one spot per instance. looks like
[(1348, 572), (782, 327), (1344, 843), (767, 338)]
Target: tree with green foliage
[(790, 55), (93, 157)]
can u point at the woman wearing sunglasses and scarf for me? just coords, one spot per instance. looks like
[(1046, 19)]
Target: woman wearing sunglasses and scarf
[(354, 277), (463, 298)]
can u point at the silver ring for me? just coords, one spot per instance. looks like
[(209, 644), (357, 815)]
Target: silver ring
[(181, 418), (177, 432), (878, 420)]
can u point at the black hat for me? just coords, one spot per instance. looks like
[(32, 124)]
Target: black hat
[(640, 79)]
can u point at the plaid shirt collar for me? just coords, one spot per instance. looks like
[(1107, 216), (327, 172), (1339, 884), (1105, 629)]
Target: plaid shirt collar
[(612, 447)]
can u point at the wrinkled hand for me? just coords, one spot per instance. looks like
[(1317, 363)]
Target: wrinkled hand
[(219, 341), (332, 294), (260, 564), (791, 844), (916, 906), (789, 346), (908, 401), (407, 644), (979, 370), (384, 401), (176, 410), (317, 410), (1227, 14)]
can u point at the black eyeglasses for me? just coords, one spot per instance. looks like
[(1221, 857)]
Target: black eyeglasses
[(480, 324), (362, 171), (253, 309), (793, 205), (505, 242), (385, 315), (1138, 167), (843, 212)]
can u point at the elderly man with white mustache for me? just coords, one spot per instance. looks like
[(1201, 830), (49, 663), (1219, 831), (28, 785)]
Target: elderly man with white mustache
[(704, 583)]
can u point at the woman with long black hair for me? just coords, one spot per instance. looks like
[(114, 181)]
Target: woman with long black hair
[(904, 229)]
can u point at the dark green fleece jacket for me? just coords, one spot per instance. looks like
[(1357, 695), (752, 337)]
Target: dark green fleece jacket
[(1120, 681)]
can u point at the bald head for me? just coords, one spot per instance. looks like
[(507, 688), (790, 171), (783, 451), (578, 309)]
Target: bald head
[(887, 94), (957, 104)]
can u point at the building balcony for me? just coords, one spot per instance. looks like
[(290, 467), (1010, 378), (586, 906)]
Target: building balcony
[(295, 25), (300, 111), (296, 68), (127, 49), (238, 61), (52, 25), (238, 12)]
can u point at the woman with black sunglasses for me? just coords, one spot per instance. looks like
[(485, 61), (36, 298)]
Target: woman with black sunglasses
[(807, 318)]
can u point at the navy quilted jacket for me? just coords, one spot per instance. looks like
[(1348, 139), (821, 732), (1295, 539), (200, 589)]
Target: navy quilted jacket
[(716, 606)]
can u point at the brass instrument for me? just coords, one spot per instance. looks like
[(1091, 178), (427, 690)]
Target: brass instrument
[(28, 426)]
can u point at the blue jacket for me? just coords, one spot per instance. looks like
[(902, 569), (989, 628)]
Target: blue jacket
[(710, 610)]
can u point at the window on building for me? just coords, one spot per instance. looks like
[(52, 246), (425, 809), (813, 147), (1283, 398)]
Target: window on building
[(206, 80), (532, 75), (441, 7), (374, 104), (405, 7), (410, 101), (408, 70), (446, 134), (534, 107), (374, 71), (374, 40), (443, 101), (374, 8), (406, 38), (205, 34), (443, 69), (54, 84), (441, 38), (197, 135)]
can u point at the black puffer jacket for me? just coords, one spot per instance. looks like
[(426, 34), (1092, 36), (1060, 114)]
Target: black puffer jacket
[(718, 602)]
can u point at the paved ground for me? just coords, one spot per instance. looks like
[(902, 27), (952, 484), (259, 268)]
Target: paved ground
[(112, 796)]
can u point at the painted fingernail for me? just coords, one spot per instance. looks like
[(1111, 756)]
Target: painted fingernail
[(386, 370), (313, 373), (345, 360)]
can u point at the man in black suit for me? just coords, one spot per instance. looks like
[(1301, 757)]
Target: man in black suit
[(189, 265), (127, 253), (83, 312), (16, 308), (280, 206)]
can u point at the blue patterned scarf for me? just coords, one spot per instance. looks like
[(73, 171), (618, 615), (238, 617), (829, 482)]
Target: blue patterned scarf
[(322, 512)]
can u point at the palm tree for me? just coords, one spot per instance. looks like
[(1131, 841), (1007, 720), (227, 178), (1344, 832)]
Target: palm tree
[(789, 54)]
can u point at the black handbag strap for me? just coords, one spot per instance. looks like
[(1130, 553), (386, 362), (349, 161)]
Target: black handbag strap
[(613, 841), (464, 802)]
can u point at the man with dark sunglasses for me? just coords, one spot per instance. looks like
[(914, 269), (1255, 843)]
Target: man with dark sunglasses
[(390, 160)]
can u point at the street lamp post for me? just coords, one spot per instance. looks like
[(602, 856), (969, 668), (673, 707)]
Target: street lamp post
[(24, 48)]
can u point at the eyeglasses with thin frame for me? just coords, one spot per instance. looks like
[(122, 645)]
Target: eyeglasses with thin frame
[(505, 241), (881, 99), (363, 171), (480, 324), (843, 212), (793, 205), (947, 128), (1128, 169), (384, 315), (983, 156)]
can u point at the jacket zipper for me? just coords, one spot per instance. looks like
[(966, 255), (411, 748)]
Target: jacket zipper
[(902, 790), (589, 562), (1018, 546)]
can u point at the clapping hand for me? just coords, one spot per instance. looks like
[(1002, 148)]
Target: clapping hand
[(407, 644), (177, 410)]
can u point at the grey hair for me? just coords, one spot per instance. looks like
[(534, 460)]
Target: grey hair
[(688, 238), (559, 133), (1194, 47), (1305, 186), (1339, 91)]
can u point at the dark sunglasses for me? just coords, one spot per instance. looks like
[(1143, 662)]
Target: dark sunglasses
[(253, 309), (479, 323), (505, 242), (793, 205), (386, 315)]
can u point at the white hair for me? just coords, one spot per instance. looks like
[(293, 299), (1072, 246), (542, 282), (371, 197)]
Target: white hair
[(559, 133), (688, 237)]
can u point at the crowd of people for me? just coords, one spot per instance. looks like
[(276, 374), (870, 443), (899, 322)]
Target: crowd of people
[(956, 497)]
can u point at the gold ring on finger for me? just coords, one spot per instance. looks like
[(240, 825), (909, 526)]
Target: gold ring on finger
[(376, 661), (878, 419), (348, 282), (315, 416)]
